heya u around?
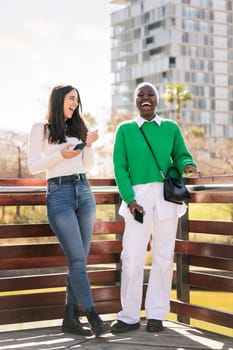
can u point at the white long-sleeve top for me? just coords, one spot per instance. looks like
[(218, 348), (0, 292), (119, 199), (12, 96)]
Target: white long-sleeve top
[(46, 157)]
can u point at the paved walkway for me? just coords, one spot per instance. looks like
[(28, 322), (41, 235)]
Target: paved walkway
[(175, 336)]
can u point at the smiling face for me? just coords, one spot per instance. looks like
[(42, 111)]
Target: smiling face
[(70, 104), (146, 101)]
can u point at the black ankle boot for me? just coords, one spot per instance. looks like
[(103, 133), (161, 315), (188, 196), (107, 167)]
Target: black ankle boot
[(97, 325), (72, 324)]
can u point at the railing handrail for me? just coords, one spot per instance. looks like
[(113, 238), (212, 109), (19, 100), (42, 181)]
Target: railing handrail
[(42, 189), (211, 187), (112, 189)]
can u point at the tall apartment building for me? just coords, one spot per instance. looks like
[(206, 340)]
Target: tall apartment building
[(165, 41)]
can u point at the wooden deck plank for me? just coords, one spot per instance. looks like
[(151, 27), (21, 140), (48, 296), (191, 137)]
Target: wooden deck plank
[(174, 336)]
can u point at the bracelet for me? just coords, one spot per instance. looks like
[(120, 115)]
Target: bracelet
[(131, 203)]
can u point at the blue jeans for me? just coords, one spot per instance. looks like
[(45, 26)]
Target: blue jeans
[(71, 212)]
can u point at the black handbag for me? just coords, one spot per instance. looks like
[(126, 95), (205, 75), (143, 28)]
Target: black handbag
[(174, 189)]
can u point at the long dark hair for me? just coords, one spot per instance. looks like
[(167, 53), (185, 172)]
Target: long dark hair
[(57, 126)]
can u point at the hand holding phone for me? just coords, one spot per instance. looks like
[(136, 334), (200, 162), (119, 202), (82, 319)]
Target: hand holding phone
[(79, 146), (138, 216)]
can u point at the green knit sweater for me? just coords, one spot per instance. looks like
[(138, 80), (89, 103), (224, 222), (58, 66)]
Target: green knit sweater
[(132, 158)]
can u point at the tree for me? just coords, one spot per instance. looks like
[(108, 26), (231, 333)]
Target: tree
[(116, 119), (177, 94), (213, 157), (13, 158), (88, 117)]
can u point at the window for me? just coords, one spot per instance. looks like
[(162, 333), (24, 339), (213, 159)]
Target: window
[(146, 17), (164, 77), (229, 5), (137, 33), (139, 81), (154, 26), (156, 51), (149, 40), (172, 62)]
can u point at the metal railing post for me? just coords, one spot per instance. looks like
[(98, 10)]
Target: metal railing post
[(182, 268), (118, 237)]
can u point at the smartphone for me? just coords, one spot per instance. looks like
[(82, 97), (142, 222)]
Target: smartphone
[(138, 216), (80, 146)]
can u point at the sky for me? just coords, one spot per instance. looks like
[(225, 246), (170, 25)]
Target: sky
[(48, 42)]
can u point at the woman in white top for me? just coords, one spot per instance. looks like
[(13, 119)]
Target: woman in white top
[(70, 203)]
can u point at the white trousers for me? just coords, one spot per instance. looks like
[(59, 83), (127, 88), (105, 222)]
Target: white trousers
[(162, 226)]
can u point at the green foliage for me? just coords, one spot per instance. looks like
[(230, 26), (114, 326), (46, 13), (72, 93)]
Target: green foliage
[(37, 214), (105, 212), (212, 212), (198, 211), (176, 93), (28, 215), (196, 132)]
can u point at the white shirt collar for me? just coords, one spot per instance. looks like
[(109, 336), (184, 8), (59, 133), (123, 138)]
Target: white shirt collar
[(140, 121)]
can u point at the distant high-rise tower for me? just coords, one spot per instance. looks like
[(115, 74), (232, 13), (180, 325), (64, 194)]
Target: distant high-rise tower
[(165, 41)]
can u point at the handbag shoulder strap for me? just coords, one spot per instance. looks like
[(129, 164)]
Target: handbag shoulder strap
[(156, 161)]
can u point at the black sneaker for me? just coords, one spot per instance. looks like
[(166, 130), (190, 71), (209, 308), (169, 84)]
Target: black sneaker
[(154, 326), (121, 327)]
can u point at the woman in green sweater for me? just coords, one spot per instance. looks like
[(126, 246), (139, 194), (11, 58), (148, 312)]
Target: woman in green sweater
[(140, 185)]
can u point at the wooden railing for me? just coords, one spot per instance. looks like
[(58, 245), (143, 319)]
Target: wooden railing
[(33, 271)]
